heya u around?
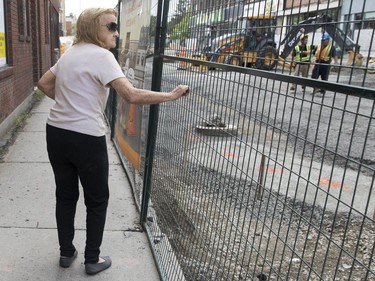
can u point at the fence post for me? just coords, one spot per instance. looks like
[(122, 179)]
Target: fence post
[(157, 69), (112, 99)]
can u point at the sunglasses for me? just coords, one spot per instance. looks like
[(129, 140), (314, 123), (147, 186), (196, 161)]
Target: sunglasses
[(113, 27)]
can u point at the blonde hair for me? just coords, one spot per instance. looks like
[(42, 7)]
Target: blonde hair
[(88, 25)]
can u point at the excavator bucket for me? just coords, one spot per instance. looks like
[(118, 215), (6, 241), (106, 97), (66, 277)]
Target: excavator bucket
[(355, 58), (284, 64)]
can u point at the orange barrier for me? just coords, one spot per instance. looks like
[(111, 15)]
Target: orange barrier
[(130, 125), (182, 64)]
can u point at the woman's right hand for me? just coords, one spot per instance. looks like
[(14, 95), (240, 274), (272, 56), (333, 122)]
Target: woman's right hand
[(180, 91)]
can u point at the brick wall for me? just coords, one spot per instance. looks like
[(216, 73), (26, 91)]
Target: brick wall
[(29, 54)]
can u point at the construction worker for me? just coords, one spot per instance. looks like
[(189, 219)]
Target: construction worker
[(324, 54), (302, 57)]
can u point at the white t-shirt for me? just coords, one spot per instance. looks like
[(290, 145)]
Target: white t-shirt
[(82, 74)]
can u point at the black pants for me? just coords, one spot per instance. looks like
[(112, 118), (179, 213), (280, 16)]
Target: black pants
[(322, 70), (78, 157)]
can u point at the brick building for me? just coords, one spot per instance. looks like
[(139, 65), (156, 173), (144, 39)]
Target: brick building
[(29, 35)]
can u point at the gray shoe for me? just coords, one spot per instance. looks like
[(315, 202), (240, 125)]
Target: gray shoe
[(94, 268), (65, 262)]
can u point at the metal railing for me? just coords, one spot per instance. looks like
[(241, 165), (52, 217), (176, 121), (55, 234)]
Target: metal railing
[(251, 181), (284, 188)]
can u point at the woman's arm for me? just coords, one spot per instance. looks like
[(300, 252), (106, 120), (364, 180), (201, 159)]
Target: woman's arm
[(140, 96), (47, 84)]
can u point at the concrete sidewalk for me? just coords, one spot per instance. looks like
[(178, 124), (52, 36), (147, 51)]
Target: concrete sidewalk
[(28, 234)]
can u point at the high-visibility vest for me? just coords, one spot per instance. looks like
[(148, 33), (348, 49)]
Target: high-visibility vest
[(324, 54), (298, 56)]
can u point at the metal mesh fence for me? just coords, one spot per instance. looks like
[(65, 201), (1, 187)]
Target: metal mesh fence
[(254, 181)]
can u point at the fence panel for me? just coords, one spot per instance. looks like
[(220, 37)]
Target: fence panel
[(252, 180)]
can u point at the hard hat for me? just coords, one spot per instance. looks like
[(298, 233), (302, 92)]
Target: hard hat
[(326, 37), (303, 36)]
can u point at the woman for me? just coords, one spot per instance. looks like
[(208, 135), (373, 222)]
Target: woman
[(79, 83)]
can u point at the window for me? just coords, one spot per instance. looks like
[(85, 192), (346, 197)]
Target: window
[(46, 21), (358, 20), (27, 20), (3, 53), (369, 21), (365, 20), (346, 26), (21, 20)]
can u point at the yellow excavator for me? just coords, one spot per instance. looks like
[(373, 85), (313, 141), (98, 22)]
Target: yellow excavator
[(252, 42)]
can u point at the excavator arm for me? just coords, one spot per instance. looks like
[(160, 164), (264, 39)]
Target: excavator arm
[(311, 24), (306, 26), (340, 39)]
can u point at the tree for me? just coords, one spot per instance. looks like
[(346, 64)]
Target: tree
[(153, 26), (178, 26)]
